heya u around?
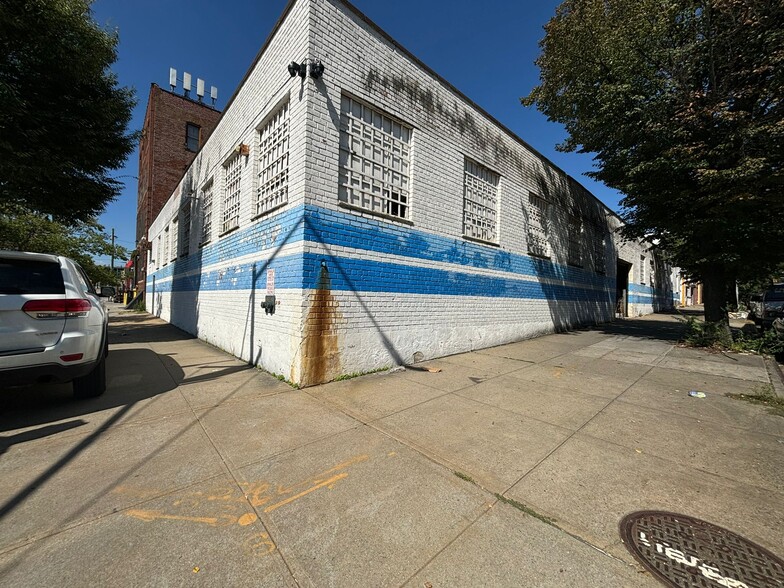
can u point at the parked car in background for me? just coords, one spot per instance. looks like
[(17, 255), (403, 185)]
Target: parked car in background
[(53, 324), (772, 305)]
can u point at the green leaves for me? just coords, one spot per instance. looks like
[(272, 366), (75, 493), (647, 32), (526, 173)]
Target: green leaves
[(63, 124), (25, 230), (681, 103)]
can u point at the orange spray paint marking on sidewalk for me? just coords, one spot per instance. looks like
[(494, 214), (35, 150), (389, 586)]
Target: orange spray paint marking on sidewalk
[(328, 483), (153, 515)]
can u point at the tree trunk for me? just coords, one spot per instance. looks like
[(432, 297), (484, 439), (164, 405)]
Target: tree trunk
[(715, 297)]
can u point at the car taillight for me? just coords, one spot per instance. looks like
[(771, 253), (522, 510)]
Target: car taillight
[(51, 309)]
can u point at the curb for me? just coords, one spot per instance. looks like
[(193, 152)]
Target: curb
[(775, 376)]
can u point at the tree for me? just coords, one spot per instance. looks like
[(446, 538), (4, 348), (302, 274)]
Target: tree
[(680, 101), (63, 119), (22, 230)]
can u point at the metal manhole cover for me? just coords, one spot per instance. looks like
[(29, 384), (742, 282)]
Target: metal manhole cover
[(686, 552)]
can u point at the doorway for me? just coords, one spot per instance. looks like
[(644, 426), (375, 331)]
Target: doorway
[(622, 288)]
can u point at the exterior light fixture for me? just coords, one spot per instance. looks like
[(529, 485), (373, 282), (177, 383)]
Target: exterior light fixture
[(310, 67), (295, 69), (316, 69)]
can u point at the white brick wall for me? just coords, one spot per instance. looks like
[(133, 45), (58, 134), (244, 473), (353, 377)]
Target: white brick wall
[(359, 291), (223, 316)]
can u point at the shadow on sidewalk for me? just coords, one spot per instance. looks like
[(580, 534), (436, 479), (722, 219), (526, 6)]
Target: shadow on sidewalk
[(129, 380), (667, 326)]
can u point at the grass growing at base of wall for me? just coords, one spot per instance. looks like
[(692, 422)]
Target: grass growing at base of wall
[(358, 374), (764, 395), (280, 377)]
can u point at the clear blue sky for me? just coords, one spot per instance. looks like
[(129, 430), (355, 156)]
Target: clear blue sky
[(485, 49)]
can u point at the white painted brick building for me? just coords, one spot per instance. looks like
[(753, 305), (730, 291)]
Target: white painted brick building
[(391, 218)]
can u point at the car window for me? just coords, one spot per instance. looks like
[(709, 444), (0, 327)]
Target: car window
[(23, 276), (775, 293), (86, 281)]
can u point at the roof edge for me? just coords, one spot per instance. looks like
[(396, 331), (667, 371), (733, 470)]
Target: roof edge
[(362, 16)]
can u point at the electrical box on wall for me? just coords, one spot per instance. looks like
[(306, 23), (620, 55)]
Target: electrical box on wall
[(269, 304)]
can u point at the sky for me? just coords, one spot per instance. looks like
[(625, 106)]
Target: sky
[(485, 49)]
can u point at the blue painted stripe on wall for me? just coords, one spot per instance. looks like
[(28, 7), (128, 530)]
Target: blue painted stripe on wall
[(349, 230), (288, 274), (272, 232), (349, 274)]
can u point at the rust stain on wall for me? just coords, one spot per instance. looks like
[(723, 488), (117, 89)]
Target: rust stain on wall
[(320, 348)]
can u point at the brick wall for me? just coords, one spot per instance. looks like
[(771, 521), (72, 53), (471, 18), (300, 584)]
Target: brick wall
[(163, 156), (359, 290)]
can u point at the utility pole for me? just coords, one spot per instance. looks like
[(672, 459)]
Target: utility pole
[(112, 251)]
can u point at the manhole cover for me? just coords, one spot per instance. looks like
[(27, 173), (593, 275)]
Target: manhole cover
[(686, 552)]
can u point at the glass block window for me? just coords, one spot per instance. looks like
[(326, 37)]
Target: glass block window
[(185, 223), (230, 216), (206, 205), (165, 258), (538, 226), (480, 202), (173, 234), (599, 262), (273, 186), (375, 152), (641, 270), (575, 256)]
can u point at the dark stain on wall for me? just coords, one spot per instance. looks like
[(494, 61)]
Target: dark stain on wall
[(482, 136), (321, 352)]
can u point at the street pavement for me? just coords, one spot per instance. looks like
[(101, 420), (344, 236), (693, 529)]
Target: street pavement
[(508, 466)]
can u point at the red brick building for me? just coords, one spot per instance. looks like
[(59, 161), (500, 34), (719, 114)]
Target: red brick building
[(175, 128)]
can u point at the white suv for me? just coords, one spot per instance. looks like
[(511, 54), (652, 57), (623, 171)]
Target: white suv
[(53, 324)]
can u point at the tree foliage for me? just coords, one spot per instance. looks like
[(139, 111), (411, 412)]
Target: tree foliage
[(23, 230), (64, 119), (680, 101)]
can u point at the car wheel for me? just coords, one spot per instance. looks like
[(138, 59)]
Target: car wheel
[(93, 384)]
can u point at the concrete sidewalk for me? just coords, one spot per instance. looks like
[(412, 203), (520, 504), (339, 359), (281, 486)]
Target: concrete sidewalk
[(195, 469)]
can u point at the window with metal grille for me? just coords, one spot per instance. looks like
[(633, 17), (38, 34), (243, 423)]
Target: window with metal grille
[(273, 187), (165, 259), (538, 226), (375, 151), (599, 263), (185, 223), (480, 202), (641, 270), (206, 206), (174, 234), (230, 217), (575, 254), (192, 136)]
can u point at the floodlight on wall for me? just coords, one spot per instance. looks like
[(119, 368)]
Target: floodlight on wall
[(310, 67), (316, 69), (296, 69)]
